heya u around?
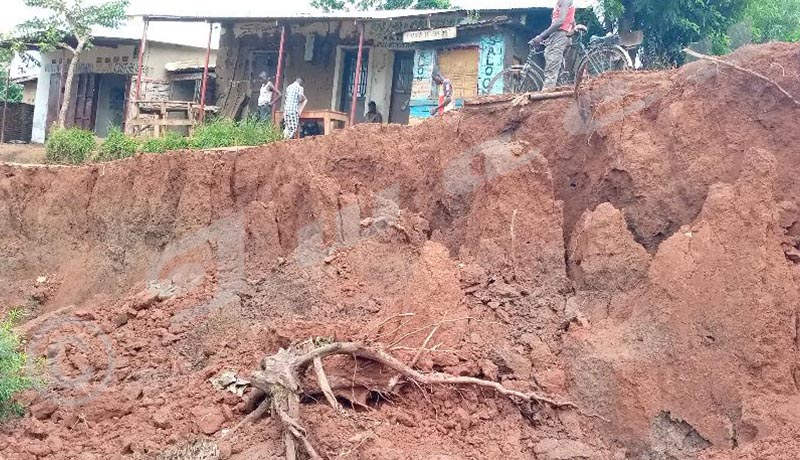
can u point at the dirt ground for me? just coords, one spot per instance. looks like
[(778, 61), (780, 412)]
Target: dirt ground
[(633, 251), (21, 153)]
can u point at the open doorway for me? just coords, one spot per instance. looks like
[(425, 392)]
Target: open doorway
[(261, 62), (350, 63), (402, 80), (110, 103)]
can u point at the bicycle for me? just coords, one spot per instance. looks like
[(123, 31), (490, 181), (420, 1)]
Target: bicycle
[(581, 62)]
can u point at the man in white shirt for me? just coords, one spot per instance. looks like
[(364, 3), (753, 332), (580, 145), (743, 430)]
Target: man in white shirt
[(293, 106), (267, 97)]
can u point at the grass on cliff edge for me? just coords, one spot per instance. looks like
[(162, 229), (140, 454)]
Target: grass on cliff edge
[(75, 146), (13, 375)]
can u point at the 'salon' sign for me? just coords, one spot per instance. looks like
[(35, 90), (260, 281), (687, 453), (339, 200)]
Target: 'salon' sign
[(415, 36)]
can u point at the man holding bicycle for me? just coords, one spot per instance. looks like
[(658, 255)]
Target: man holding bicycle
[(556, 40)]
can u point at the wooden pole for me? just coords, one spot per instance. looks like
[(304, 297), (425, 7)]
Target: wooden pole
[(142, 46), (279, 76), (5, 107), (204, 86), (357, 80)]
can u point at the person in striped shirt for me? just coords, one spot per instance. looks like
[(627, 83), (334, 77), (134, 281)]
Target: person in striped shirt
[(294, 103)]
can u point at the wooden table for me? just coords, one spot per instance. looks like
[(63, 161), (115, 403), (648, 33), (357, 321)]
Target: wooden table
[(159, 115), (329, 119)]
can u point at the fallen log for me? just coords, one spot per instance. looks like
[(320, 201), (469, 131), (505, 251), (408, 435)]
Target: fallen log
[(515, 99)]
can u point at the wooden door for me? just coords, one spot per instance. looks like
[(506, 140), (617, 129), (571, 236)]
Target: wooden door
[(402, 80), (84, 102), (461, 67)]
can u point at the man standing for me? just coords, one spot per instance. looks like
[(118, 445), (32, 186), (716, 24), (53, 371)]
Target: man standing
[(373, 116), (293, 106), (556, 39), (447, 103), (267, 97)]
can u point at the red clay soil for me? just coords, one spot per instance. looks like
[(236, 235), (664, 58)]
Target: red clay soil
[(633, 251)]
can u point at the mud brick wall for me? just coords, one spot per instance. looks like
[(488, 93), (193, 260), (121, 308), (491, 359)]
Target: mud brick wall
[(19, 122)]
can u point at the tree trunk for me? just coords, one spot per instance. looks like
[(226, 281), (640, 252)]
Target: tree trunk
[(73, 66)]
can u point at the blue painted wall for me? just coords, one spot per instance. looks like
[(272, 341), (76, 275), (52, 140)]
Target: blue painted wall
[(493, 53), (491, 62)]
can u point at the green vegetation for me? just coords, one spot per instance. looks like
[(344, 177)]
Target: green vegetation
[(718, 25), (76, 146), (116, 146), (168, 143), (671, 26), (14, 90), (13, 378), (228, 133), (333, 5), (69, 146), (773, 20)]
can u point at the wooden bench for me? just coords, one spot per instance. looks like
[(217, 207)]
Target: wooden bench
[(329, 119)]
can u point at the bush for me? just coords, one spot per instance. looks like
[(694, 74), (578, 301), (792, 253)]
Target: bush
[(76, 146), (224, 132), (116, 146), (69, 146), (13, 378), (171, 141)]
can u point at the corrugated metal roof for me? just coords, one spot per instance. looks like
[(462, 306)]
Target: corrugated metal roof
[(193, 64), (261, 13)]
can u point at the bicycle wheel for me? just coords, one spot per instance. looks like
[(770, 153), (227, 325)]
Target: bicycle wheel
[(515, 81), (599, 61)]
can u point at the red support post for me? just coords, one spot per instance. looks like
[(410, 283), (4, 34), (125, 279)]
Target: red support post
[(204, 86), (279, 76), (357, 80), (142, 46)]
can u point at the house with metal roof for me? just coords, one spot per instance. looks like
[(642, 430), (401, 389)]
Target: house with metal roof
[(105, 90), (351, 58)]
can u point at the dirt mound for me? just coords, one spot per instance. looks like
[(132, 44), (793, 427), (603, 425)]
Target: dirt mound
[(633, 251)]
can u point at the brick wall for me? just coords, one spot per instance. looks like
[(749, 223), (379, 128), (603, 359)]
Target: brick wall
[(19, 122)]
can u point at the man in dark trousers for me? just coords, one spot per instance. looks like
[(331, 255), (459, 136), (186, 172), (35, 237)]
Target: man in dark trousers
[(556, 39)]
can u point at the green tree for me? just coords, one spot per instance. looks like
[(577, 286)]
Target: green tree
[(14, 90), (669, 26), (68, 26), (773, 20), (333, 5)]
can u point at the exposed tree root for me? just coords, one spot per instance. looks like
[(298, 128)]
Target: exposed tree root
[(281, 374), (772, 82)]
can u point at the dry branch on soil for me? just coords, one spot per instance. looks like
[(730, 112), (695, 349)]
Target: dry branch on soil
[(742, 69), (278, 383)]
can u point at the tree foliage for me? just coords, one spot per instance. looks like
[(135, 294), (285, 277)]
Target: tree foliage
[(68, 26), (334, 5), (14, 90), (669, 26), (773, 20)]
